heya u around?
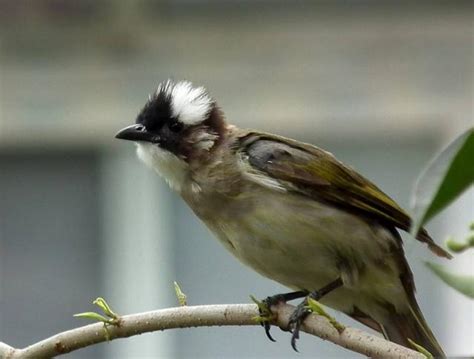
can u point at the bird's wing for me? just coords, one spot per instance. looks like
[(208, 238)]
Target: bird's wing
[(308, 170)]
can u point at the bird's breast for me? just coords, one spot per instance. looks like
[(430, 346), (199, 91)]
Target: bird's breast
[(289, 238), (304, 244)]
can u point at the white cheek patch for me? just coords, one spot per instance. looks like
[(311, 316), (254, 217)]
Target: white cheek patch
[(173, 170), (191, 105)]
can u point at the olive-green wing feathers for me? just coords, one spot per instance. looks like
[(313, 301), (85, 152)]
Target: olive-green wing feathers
[(318, 174)]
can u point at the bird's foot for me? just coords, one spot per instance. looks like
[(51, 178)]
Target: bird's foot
[(296, 320), (266, 317), (309, 305)]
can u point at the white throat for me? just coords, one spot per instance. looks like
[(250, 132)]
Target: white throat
[(173, 170)]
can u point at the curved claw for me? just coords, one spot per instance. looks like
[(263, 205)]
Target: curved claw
[(266, 316), (294, 324), (294, 338), (269, 301), (266, 326)]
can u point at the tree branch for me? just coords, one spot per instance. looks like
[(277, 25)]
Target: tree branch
[(201, 316)]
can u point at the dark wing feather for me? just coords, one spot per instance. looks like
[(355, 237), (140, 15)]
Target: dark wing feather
[(318, 174)]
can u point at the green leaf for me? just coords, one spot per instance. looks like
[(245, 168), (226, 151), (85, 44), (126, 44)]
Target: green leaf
[(458, 247), (266, 314), (92, 316), (262, 307), (462, 283), (182, 298), (449, 174), (99, 318), (102, 304), (317, 308)]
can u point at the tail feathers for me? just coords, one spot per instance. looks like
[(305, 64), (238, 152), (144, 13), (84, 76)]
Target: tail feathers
[(401, 327)]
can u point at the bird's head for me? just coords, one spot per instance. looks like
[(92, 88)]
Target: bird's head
[(179, 124)]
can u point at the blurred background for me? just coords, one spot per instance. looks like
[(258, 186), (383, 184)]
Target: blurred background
[(381, 85)]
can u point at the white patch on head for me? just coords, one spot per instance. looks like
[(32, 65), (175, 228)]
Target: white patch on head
[(190, 105), (173, 170)]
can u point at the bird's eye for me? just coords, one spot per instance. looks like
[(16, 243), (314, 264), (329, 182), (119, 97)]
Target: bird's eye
[(175, 126)]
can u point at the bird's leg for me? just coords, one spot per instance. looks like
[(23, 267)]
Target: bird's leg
[(274, 300), (301, 312)]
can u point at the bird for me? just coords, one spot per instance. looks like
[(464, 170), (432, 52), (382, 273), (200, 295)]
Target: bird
[(289, 210)]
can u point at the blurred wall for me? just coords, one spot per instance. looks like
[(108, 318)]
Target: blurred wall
[(381, 85)]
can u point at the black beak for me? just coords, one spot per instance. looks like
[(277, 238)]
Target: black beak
[(137, 133)]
